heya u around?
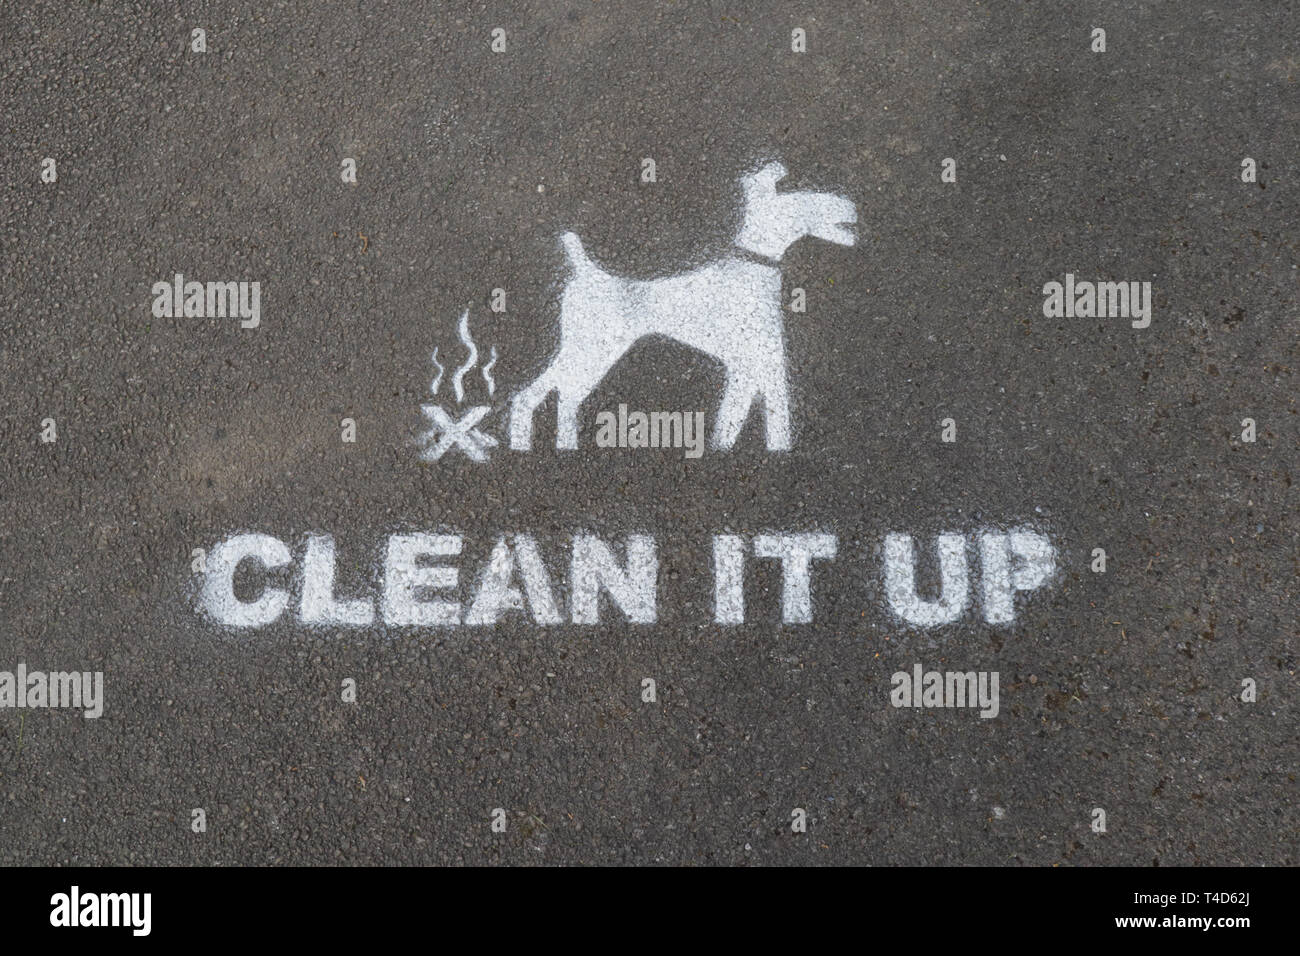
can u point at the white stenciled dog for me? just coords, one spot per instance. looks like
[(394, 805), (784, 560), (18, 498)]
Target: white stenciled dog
[(730, 309)]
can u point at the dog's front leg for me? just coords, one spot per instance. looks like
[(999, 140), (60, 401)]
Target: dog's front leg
[(776, 409), (737, 398)]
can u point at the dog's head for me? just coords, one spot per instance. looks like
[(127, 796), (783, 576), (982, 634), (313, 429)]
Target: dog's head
[(774, 221)]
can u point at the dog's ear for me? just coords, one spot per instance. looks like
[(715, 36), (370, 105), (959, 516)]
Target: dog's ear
[(767, 177), (773, 173)]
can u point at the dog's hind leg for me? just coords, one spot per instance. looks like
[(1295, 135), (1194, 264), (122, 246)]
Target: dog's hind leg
[(566, 421), (579, 380), (524, 406)]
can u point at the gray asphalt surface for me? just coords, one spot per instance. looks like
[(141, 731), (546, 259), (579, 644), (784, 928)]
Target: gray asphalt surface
[(1119, 690)]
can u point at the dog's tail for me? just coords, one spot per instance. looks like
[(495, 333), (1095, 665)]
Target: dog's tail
[(577, 255)]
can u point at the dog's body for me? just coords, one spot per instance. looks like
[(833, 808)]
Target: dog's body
[(729, 309)]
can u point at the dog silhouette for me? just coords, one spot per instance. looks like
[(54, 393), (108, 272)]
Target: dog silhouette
[(729, 309)]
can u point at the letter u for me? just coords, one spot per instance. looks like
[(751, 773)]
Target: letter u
[(900, 580)]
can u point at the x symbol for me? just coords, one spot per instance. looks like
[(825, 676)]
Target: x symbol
[(463, 433)]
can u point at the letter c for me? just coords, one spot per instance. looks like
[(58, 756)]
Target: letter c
[(219, 586)]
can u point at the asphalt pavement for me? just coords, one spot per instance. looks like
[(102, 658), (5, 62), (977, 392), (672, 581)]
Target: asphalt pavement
[(930, 394)]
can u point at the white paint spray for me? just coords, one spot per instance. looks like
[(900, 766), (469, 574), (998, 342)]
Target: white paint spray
[(1034, 563), (219, 580), (730, 309), (900, 580), (632, 589), (319, 605), (404, 578), (418, 583), (487, 373), (795, 552), (437, 379), (447, 432), (458, 378), (728, 579), (1031, 553), (497, 593)]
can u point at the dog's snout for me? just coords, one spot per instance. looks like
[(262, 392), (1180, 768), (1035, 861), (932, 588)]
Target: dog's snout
[(839, 226)]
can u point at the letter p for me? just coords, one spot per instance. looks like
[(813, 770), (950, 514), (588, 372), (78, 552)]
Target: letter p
[(1019, 561)]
